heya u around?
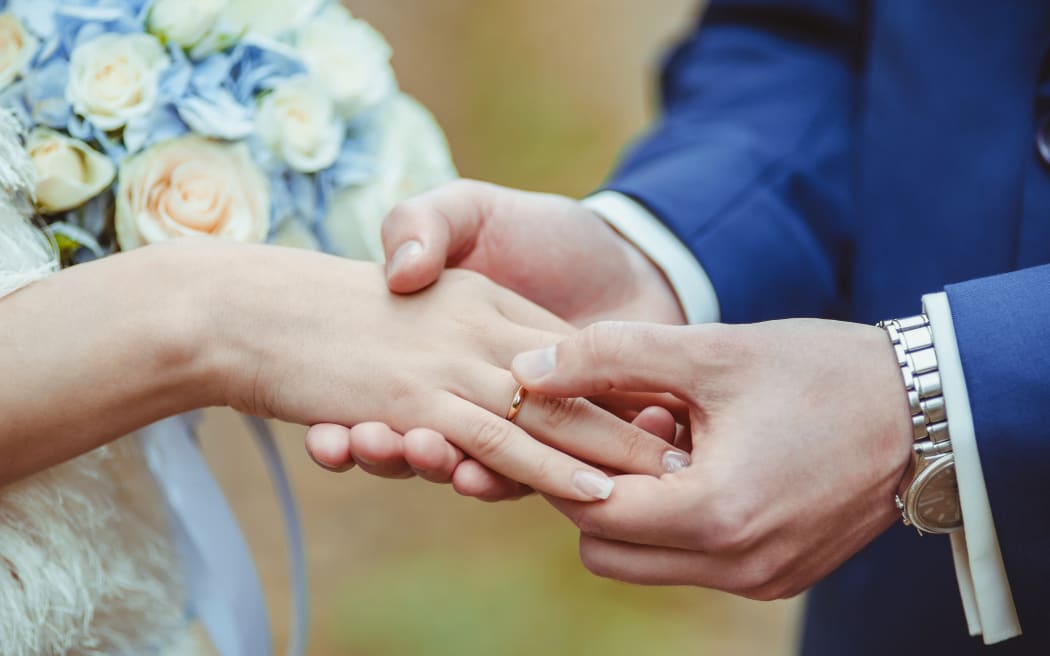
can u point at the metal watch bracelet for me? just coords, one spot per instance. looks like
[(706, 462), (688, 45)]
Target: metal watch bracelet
[(912, 340)]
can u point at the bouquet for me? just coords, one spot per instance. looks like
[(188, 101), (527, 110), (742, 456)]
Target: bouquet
[(252, 120)]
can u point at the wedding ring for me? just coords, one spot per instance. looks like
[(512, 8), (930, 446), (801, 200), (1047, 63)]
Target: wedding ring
[(515, 405)]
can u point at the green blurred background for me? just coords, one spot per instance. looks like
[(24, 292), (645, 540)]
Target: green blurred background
[(537, 94)]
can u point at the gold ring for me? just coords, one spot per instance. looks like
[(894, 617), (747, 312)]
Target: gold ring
[(515, 405)]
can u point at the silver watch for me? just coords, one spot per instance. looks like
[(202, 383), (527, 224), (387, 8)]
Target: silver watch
[(930, 502)]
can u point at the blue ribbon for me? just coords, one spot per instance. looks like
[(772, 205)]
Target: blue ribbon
[(222, 580)]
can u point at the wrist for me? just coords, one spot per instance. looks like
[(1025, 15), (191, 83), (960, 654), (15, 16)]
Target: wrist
[(654, 287), (669, 284), (897, 427), (256, 307), (184, 326)]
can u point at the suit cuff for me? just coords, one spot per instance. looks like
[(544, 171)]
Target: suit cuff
[(985, 590), (637, 225)]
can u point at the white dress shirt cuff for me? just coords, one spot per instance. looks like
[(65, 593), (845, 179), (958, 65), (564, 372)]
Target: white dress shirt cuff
[(649, 235), (985, 590)]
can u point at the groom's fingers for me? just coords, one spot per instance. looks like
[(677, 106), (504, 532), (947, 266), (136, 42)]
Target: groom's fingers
[(425, 233), (379, 450), (658, 421), (374, 446), (430, 455), (616, 356), (328, 445), (473, 479)]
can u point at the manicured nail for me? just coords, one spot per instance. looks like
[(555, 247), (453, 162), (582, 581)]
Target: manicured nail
[(534, 365), (404, 253), (675, 461), (593, 484)]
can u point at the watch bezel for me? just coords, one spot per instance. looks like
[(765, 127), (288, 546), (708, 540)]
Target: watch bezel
[(933, 467)]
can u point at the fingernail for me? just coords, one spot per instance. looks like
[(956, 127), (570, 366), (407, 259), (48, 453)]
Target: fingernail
[(593, 484), (403, 254), (675, 461), (534, 365)]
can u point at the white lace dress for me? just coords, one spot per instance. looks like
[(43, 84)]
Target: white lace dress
[(86, 560)]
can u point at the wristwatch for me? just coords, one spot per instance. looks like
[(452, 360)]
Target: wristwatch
[(930, 501)]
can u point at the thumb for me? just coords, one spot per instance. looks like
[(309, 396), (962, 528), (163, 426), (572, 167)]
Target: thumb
[(613, 356), (425, 233)]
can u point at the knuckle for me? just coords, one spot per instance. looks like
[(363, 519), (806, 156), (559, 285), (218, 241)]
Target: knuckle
[(489, 439), (543, 473), (725, 344), (398, 217), (602, 338), (594, 347), (638, 449), (727, 528), (590, 526), (560, 412), (759, 579)]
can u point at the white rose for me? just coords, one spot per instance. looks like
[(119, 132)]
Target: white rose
[(299, 123), (271, 17), (113, 78), (17, 47), (413, 157), (185, 22), (69, 172), (349, 57), (191, 186)]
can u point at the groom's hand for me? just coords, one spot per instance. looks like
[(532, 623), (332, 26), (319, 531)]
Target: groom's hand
[(381, 451), (550, 249), (801, 436)]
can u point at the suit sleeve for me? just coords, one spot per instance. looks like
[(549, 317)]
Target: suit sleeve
[(1002, 327), (750, 162)]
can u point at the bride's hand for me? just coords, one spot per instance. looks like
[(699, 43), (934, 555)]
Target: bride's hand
[(314, 339)]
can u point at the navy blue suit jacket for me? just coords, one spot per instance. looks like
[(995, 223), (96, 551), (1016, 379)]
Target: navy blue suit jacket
[(840, 158)]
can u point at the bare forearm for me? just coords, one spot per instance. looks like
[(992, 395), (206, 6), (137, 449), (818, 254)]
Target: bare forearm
[(95, 352)]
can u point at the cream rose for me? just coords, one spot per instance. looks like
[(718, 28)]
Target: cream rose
[(185, 22), (191, 186), (114, 78), (349, 57), (299, 123), (413, 157), (271, 17), (17, 47), (69, 172)]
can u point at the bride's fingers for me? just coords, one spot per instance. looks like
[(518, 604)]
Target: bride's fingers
[(545, 446), (472, 479), (379, 450), (658, 421), (328, 445), (430, 455), (507, 449), (581, 428)]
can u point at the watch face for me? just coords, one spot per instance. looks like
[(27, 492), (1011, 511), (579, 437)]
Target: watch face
[(933, 500)]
